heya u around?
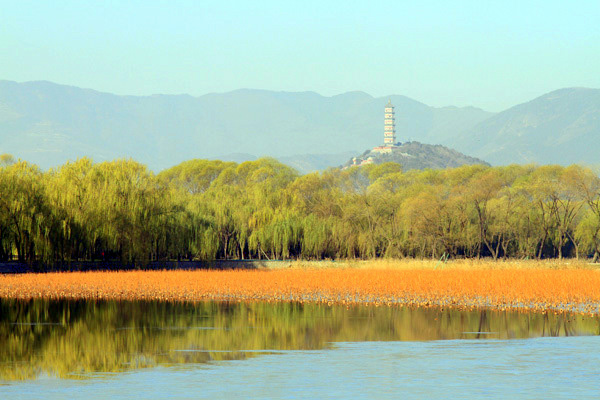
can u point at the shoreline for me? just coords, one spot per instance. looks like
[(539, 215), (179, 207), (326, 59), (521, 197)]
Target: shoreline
[(16, 267)]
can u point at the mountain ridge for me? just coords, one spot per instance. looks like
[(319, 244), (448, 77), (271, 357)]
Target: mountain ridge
[(48, 124), (562, 126)]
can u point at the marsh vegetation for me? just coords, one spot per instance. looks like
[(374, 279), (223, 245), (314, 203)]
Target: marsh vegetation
[(466, 285)]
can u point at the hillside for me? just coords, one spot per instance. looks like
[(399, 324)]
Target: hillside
[(561, 127), (49, 124), (415, 155)]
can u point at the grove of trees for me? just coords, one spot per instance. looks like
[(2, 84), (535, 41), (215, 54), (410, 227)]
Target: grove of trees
[(206, 210)]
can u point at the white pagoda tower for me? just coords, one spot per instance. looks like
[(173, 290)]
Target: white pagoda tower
[(389, 129)]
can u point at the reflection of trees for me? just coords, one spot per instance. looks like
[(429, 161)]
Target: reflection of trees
[(75, 339)]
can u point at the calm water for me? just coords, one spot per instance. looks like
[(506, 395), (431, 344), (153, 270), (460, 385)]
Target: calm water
[(261, 350)]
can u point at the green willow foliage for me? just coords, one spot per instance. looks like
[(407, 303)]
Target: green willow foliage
[(205, 210)]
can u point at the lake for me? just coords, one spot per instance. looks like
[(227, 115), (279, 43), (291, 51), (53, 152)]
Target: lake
[(58, 349)]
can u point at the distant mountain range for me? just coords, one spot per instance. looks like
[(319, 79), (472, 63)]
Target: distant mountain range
[(48, 124)]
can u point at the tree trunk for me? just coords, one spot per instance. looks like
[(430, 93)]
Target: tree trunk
[(543, 241)]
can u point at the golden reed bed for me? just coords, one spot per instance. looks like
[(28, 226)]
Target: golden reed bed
[(527, 286)]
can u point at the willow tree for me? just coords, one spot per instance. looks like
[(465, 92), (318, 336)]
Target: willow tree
[(6, 159), (26, 218), (131, 208), (211, 209), (71, 193), (194, 176), (588, 229)]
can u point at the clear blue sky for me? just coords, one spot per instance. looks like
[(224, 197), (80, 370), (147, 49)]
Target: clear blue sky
[(491, 54)]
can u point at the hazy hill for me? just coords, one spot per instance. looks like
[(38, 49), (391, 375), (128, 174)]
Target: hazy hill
[(48, 124), (415, 155), (561, 127)]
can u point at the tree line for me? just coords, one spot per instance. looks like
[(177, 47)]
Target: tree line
[(206, 210)]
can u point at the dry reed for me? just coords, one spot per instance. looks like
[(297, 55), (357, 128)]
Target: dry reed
[(526, 286)]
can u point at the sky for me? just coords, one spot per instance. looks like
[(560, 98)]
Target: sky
[(488, 54)]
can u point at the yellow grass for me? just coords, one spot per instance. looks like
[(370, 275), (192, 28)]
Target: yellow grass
[(530, 285)]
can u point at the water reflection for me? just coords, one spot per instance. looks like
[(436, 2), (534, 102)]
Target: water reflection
[(79, 339)]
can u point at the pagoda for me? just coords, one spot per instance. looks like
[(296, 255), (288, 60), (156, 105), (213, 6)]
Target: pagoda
[(389, 130)]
